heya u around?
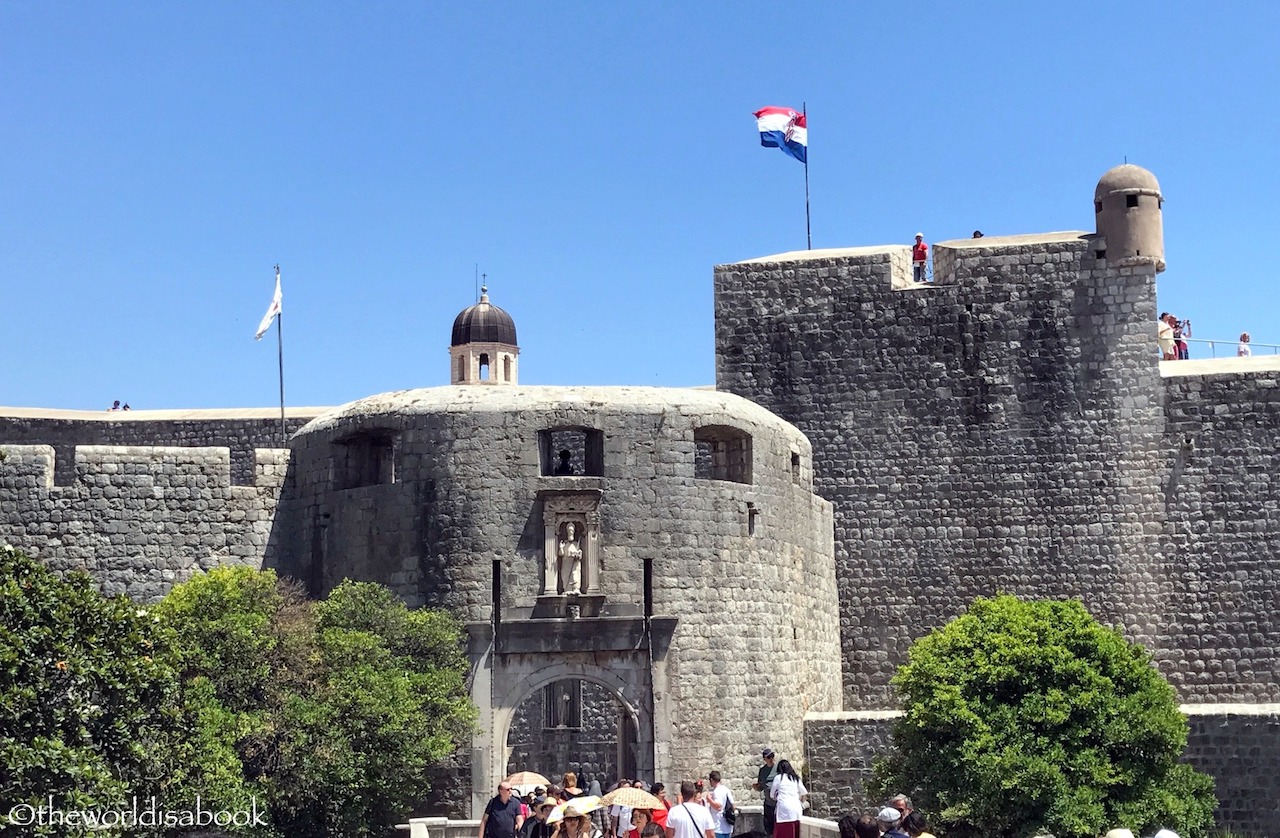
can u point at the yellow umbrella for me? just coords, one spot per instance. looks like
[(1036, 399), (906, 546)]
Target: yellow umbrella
[(579, 805), (632, 798)]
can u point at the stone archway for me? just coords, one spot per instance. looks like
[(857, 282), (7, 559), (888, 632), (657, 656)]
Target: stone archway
[(625, 676), (573, 725)]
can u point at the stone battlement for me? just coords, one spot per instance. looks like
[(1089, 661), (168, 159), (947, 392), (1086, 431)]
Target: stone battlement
[(140, 518)]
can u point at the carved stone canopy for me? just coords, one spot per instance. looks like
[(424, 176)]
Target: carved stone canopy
[(571, 566)]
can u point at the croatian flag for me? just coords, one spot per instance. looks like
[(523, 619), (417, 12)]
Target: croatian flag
[(786, 129)]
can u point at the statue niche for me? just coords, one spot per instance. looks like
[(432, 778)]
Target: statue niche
[(570, 554), (569, 551)]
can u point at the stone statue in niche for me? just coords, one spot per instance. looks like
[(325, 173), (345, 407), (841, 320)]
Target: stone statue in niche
[(570, 554)]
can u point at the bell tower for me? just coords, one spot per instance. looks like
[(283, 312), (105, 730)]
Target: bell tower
[(484, 349)]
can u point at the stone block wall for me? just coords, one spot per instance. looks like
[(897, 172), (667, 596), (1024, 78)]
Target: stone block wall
[(999, 430), (1238, 745), (241, 432), (755, 603), (840, 751), (1220, 630), (139, 520)]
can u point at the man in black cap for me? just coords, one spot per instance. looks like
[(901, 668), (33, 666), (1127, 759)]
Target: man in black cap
[(764, 781)]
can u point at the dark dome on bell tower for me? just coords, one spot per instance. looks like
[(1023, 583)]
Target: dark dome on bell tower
[(483, 323), (484, 349)]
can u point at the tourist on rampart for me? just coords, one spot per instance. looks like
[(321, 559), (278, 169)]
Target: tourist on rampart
[(620, 816), (1181, 331), (115, 405), (763, 783), (789, 793), (919, 258), (717, 799), (501, 818), (687, 819), (1243, 350), (1164, 337), (861, 827)]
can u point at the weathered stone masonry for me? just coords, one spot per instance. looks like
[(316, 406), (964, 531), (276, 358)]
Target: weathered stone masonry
[(1006, 428), (1009, 428)]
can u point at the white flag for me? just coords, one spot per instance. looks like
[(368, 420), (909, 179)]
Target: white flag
[(272, 312)]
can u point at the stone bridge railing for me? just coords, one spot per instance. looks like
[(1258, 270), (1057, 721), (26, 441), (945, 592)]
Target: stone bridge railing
[(749, 818)]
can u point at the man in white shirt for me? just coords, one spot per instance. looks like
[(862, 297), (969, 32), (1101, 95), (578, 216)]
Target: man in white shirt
[(688, 819), (717, 800)]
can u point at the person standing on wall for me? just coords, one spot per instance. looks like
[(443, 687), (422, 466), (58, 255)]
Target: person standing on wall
[(1243, 349), (1164, 337), (501, 818), (919, 258), (763, 784)]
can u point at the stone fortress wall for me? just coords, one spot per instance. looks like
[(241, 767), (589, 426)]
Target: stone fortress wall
[(1010, 428), (743, 567), (242, 432), (139, 519), (1005, 428)]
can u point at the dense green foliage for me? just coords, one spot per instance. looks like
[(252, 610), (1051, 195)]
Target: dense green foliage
[(1025, 716), (235, 688), (337, 710), (88, 701)]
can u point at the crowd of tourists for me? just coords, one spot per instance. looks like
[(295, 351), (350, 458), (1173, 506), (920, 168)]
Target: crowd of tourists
[(701, 809)]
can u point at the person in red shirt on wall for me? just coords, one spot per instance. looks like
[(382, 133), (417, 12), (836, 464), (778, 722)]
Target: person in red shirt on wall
[(919, 256)]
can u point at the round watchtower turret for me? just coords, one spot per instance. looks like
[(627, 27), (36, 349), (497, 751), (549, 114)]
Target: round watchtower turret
[(483, 349), (1127, 204)]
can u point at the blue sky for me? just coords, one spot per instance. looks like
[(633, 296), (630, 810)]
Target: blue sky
[(596, 160)]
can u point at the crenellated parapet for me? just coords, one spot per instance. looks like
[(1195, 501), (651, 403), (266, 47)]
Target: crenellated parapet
[(138, 518)]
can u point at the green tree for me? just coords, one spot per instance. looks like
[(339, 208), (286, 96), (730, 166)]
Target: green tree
[(335, 712), (1021, 716), (89, 705)]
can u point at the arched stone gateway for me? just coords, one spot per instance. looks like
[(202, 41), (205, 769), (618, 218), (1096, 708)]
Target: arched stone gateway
[(511, 671), (574, 724)]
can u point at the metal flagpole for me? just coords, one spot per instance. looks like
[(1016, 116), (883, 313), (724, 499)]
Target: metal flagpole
[(808, 233), (284, 438)]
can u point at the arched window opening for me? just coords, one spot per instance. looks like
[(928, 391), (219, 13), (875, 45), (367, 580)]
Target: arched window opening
[(506, 367), (484, 366)]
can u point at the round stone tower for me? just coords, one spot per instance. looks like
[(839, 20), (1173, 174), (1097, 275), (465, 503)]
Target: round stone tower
[(483, 349), (1128, 205)]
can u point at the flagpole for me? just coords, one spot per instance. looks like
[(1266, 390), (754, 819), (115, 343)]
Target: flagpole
[(284, 438), (808, 233)]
